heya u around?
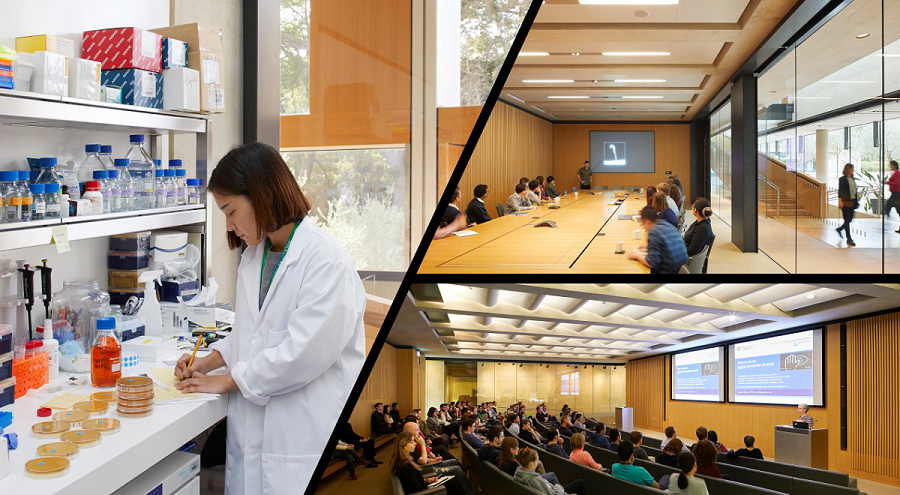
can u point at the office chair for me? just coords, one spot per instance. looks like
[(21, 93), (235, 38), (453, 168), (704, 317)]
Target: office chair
[(500, 209)]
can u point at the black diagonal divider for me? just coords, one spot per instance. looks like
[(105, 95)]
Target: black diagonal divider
[(426, 240)]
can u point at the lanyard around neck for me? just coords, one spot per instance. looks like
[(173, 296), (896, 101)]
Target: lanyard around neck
[(262, 270)]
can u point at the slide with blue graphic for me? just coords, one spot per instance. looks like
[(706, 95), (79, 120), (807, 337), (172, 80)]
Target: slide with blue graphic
[(699, 375), (778, 370)]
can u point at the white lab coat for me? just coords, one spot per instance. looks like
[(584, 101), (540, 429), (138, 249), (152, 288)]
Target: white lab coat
[(295, 362)]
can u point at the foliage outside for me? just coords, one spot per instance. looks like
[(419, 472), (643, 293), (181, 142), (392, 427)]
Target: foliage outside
[(488, 29)]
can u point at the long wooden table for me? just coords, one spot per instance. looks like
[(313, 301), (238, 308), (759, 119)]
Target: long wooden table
[(512, 244)]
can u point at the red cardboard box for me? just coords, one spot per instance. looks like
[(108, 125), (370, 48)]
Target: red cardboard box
[(124, 48)]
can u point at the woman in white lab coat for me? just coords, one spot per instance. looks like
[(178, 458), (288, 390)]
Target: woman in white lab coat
[(298, 342)]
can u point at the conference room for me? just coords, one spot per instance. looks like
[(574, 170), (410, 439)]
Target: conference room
[(735, 359), (755, 108)]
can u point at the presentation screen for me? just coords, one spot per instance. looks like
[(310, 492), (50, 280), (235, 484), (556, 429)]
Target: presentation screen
[(623, 152), (699, 375), (777, 370)]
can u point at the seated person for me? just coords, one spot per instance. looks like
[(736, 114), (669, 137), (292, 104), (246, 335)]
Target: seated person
[(468, 431), (517, 202), (491, 451), (544, 196), (435, 422), (554, 443), (674, 193), (626, 469), (803, 409), (698, 235), (528, 434), (435, 437), (552, 193), (566, 427), (613, 437), (509, 449), (476, 211), (650, 192), (578, 422), (348, 436), (534, 193), (579, 455), (637, 439), (663, 210), (512, 423), (379, 425), (685, 481), (424, 448), (669, 455), (407, 470), (598, 438), (527, 476), (706, 455), (666, 189), (702, 433), (524, 180), (345, 451), (714, 438), (453, 219), (665, 247), (395, 413), (748, 451), (670, 434)]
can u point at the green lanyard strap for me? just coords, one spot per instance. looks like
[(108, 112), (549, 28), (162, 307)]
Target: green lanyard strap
[(262, 270)]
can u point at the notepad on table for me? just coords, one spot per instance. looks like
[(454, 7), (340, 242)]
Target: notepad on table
[(440, 481), (465, 233)]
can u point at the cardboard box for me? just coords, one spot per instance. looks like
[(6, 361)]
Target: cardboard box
[(46, 43), (124, 48), (24, 71), (140, 88), (51, 74), (174, 53), (181, 89), (84, 79), (110, 94), (198, 36), (204, 55)]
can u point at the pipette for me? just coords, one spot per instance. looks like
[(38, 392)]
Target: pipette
[(46, 286), (28, 286)]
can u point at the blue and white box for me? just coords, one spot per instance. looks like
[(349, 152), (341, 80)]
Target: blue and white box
[(140, 88), (174, 53)]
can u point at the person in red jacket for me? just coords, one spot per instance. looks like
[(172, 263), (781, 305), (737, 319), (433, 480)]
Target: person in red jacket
[(894, 183)]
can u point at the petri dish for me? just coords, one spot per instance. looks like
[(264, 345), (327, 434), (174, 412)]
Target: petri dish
[(85, 439), (49, 429), (134, 384), (104, 396), (46, 468), (129, 403), (133, 415), (74, 418), (92, 407), (68, 450), (106, 426), (136, 395), (123, 408)]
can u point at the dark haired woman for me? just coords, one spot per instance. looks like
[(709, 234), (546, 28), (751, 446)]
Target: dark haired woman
[(298, 342), (700, 232), (685, 482), (847, 200)]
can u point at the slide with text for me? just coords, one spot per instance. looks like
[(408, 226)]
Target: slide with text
[(697, 375), (777, 370)]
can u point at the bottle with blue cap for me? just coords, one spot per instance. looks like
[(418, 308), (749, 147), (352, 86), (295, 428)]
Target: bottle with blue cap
[(106, 157), (193, 191), (115, 194), (141, 168), (12, 199), (51, 200), (180, 184), (27, 198), (102, 176), (170, 188), (160, 186), (89, 165), (38, 206), (48, 172), (106, 355), (126, 185)]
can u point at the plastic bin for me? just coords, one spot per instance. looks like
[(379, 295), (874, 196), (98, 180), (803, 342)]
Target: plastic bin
[(6, 344), (6, 361), (30, 373), (128, 260), (7, 394), (118, 295), (187, 290), (126, 279), (136, 241)]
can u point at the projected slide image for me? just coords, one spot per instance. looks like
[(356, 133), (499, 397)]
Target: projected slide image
[(614, 154), (797, 361), (697, 376), (778, 370)]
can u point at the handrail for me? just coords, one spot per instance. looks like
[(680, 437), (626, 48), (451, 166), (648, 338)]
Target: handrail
[(777, 194)]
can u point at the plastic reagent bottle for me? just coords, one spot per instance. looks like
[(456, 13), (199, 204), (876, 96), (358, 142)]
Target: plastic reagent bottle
[(89, 165), (27, 198), (92, 192), (114, 192), (38, 206), (51, 201), (51, 347), (106, 355), (106, 157), (171, 188), (160, 188), (102, 176), (193, 191), (126, 185), (141, 168), (180, 186), (12, 199)]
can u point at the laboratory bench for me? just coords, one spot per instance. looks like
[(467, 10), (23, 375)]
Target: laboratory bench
[(119, 458)]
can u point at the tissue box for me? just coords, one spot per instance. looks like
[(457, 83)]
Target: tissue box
[(167, 245), (51, 74), (181, 89), (151, 349), (110, 94), (46, 43), (124, 48), (84, 79), (140, 88), (174, 53)]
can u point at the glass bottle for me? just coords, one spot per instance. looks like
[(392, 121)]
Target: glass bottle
[(27, 198), (170, 188), (48, 172), (51, 200), (180, 186), (102, 176), (141, 168), (12, 200), (89, 165), (115, 194), (76, 308), (38, 206), (106, 157), (193, 191), (126, 185), (160, 186), (106, 355)]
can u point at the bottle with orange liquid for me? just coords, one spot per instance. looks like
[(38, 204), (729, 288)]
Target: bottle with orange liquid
[(106, 355)]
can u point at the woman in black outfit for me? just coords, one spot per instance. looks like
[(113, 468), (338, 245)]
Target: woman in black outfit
[(407, 470), (847, 200), (395, 413), (700, 232), (669, 455)]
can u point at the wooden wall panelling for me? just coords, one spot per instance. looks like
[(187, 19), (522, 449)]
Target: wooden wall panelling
[(454, 128), (646, 380), (381, 386), (514, 144), (571, 147)]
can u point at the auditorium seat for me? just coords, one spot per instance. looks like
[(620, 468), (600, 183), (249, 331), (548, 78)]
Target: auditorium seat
[(489, 478), (735, 488), (652, 452), (398, 488), (810, 487), (821, 475), (656, 443)]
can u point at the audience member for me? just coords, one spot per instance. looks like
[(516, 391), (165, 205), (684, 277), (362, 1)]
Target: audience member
[(407, 470), (468, 431), (452, 210), (665, 247), (700, 232), (379, 424), (666, 189), (534, 194), (491, 451), (650, 192), (476, 212), (677, 182), (614, 436), (517, 201), (637, 439), (705, 453), (674, 193), (554, 443), (626, 469), (685, 482), (584, 175), (509, 449), (702, 433), (524, 180), (714, 438), (670, 451), (578, 422), (552, 193), (527, 476), (435, 436), (565, 426), (512, 423), (429, 452), (528, 434), (578, 453), (748, 451), (544, 196), (346, 452), (662, 209), (453, 219), (348, 436), (598, 438)]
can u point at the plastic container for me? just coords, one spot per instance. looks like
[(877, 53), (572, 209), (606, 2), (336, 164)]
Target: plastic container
[(141, 168), (45, 468), (78, 306), (93, 407), (125, 279), (126, 185), (5, 338), (120, 295), (7, 392), (93, 193), (6, 365), (51, 201), (102, 177), (106, 157), (30, 373), (135, 241), (135, 403), (67, 450), (128, 260), (193, 191), (87, 167), (85, 439), (51, 349), (106, 426), (49, 429), (74, 418)]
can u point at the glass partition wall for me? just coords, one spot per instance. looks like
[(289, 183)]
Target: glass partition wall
[(720, 162), (832, 99)]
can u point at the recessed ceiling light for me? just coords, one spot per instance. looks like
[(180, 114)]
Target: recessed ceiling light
[(636, 54), (515, 98), (810, 296), (641, 97), (575, 53), (641, 13), (547, 81), (628, 2), (533, 54), (539, 109), (640, 80), (568, 97), (861, 36), (847, 82), (810, 97)]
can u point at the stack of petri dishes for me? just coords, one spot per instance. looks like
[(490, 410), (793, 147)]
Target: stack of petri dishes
[(134, 396)]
